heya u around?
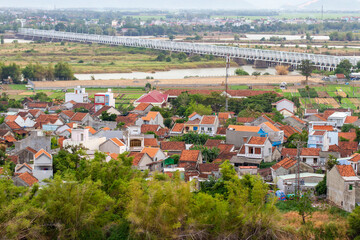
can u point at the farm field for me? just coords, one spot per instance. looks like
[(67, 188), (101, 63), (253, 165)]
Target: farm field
[(327, 101)]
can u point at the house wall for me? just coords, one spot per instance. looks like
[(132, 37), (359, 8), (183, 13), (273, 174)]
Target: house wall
[(274, 136), (310, 160), (160, 155), (43, 159), (333, 138), (208, 129), (110, 147), (23, 169), (285, 104), (77, 97), (237, 138), (143, 163), (35, 142), (292, 122), (25, 156)]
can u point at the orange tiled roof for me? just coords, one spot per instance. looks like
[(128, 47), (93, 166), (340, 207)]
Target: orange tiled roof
[(28, 178), (324, 128), (346, 170), (105, 129), (348, 135), (355, 157), (24, 165), (351, 119), (142, 106), (189, 155), (193, 122), (271, 126), (11, 118), (91, 130), (114, 156), (224, 115), (42, 151), (320, 117), (129, 120), (310, 152), (245, 119), (178, 127), (210, 143), (193, 114), (150, 115), (221, 131), (288, 152), (68, 113), (208, 120), (288, 130), (149, 128), (150, 151), (13, 125), (117, 142), (257, 140), (10, 139), (150, 142), (285, 163), (79, 116), (136, 157), (172, 146), (298, 119), (244, 128)]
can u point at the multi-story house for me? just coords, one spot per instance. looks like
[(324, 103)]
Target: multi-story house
[(276, 135), (104, 99), (209, 125), (79, 95), (319, 139), (43, 165), (239, 135), (257, 148), (153, 118)]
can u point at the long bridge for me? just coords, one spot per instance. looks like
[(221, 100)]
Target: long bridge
[(327, 62)]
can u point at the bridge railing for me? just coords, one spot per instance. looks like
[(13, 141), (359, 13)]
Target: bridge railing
[(292, 58)]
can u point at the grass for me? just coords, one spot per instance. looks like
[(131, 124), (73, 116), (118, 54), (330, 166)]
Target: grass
[(267, 164), (239, 87), (132, 96), (17, 87), (346, 103)]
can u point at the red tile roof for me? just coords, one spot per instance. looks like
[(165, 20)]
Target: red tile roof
[(271, 126), (310, 152), (28, 178), (150, 115), (172, 146), (349, 145), (210, 143), (150, 151), (101, 110), (221, 131), (79, 116), (348, 135), (68, 113), (208, 120), (38, 104), (245, 119), (224, 115), (323, 128), (34, 112), (298, 119), (136, 157), (288, 152), (178, 128), (42, 151), (129, 120), (318, 133), (189, 155), (150, 142), (321, 118), (314, 111), (208, 167), (346, 170), (13, 125), (142, 106), (118, 142), (149, 128), (288, 130), (153, 97), (285, 163), (351, 119), (11, 118), (91, 130), (87, 106), (355, 157), (257, 140), (193, 122)]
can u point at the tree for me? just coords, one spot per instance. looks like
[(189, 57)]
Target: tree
[(331, 162), (282, 70), (321, 187), (41, 97), (198, 108), (344, 67), (171, 37), (209, 154), (236, 37), (256, 74), (306, 69), (241, 72), (304, 207), (161, 57), (105, 116), (168, 122), (354, 223), (13, 71), (2, 39), (347, 127), (63, 71)]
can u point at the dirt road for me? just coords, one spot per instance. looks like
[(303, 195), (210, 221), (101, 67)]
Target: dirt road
[(187, 82)]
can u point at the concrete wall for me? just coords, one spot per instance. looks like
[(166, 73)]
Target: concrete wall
[(35, 142), (237, 138), (110, 147)]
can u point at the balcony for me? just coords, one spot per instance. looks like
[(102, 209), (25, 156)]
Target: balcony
[(249, 155)]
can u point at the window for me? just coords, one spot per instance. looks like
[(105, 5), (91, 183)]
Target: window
[(81, 137), (304, 159), (350, 187), (251, 150), (245, 139), (202, 129), (257, 150), (99, 99), (135, 143), (195, 128), (209, 129), (315, 160)]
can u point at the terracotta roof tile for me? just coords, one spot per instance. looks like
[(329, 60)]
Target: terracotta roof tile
[(153, 97), (101, 110), (208, 167), (114, 156), (189, 155), (221, 131), (129, 120), (28, 178), (285, 163), (355, 157), (192, 115), (172, 146), (244, 128), (142, 106), (10, 118), (10, 139), (13, 125), (178, 128), (210, 143), (13, 158), (150, 151), (118, 142), (351, 119), (34, 112), (288, 130), (321, 118), (245, 119), (193, 122), (288, 152), (324, 128), (151, 115), (346, 170), (208, 120), (87, 106), (298, 119), (149, 128), (42, 151), (79, 116), (136, 157), (348, 135), (313, 111), (68, 113), (150, 142), (39, 104), (257, 140), (271, 126), (224, 115), (91, 130), (349, 145), (310, 152), (318, 133)]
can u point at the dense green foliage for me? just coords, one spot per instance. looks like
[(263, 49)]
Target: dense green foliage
[(241, 72)]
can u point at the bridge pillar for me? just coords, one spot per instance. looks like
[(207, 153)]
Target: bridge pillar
[(260, 64)]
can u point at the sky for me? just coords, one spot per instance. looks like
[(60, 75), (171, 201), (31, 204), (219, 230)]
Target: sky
[(186, 4)]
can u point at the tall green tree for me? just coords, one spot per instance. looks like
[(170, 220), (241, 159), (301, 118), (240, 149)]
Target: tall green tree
[(63, 71), (306, 68)]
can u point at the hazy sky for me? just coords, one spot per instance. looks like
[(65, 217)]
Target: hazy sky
[(185, 4)]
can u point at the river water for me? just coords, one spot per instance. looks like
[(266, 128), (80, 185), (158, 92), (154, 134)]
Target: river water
[(177, 73)]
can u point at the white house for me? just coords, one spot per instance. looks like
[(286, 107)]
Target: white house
[(155, 153), (113, 145), (153, 118), (338, 118), (284, 104), (79, 95), (257, 148), (209, 125), (43, 165), (319, 139), (308, 181), (104, 99), (276, 135), (80, 136), (311, 156)]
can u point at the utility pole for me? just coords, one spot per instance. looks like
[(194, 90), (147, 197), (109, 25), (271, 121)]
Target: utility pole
[(299, 145), (226, 82)]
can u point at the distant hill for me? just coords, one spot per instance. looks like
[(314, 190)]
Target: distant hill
[(342, 5)]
